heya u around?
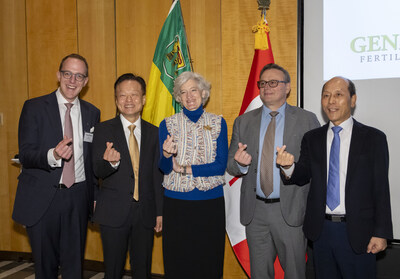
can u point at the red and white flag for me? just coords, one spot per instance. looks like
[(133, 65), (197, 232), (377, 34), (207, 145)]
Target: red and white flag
[(251, 100)]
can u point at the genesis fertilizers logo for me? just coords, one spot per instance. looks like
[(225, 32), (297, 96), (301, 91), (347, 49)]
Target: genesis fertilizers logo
[(175, 60), (378, 48)]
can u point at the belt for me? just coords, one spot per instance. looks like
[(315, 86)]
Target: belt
[(267, 200), (335, 218)]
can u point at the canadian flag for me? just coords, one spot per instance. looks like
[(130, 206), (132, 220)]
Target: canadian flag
[(251, 100)]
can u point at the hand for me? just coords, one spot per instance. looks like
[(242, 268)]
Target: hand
[(169, 147), (180, 169), (376, 245), (284, 158), (158, 227), (111, 155), (175, 166), (241, 156), (64, 149)]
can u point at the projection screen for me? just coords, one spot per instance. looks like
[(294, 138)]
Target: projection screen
[(360, 40)]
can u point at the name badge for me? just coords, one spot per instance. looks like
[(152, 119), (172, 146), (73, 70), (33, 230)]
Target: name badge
[(88, 137)]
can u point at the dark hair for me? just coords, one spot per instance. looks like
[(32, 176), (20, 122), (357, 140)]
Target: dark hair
[(130, 76), (276, 67), (351, 87), (76, 56)]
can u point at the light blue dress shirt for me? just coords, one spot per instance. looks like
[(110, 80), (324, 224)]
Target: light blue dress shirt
[(280, 124)]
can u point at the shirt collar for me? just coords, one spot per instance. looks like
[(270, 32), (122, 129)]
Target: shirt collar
[(346, 125), (126, 123), (62, 100), (281, 110)]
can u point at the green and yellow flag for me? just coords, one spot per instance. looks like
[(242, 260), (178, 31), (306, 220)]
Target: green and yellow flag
[(170, 59)]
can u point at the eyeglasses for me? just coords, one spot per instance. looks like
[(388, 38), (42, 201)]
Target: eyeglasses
[(271, 83), (69, 75)]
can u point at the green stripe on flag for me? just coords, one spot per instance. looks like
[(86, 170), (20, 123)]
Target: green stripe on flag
[(171, 58)]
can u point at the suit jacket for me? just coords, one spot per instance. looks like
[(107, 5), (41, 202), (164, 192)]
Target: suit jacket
[(367, 199), (40, 129), (116, 188), (246, 130)]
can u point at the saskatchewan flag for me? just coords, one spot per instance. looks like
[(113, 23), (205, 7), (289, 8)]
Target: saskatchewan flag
[(170, 59)]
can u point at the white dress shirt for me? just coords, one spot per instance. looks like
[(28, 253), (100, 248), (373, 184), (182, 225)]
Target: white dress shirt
[(76, 119), (137, 132), (345, 138)]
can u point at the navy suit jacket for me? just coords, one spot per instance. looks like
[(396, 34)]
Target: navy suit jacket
[(40, 129), (115, 194), (367, 198)]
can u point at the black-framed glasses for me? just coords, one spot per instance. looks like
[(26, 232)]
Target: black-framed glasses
[(69, 75), (271, 83)]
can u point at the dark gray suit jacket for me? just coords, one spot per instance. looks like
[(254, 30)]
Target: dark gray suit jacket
[(246, 130), (115, 194)]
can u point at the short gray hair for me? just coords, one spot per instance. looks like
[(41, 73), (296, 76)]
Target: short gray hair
[(203, 85)]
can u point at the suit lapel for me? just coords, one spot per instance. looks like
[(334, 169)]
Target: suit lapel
[(357, 143), (85, 126), (53, 113), (144, 141), (290, 124), (320, 143), (256, 124), (120, 140)]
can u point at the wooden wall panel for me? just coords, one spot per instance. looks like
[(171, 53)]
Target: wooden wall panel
[(282, 19), (119, 36), (96, 42), (13, 90), (203, 28), (138, 24), (51, 35), (237, 18)]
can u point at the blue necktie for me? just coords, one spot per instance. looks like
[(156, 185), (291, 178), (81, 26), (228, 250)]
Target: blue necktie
[(333, 189)]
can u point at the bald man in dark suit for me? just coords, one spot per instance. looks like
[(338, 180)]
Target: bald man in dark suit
[(348, 218)]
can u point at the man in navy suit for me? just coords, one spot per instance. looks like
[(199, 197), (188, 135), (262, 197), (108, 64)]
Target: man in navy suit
[(129, 201), (348, 223), (53, 203)]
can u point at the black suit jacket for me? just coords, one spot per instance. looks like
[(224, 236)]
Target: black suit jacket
[(115, 194), (367, 199), (40, 129)]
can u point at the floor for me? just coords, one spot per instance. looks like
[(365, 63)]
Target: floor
[(25, 270)]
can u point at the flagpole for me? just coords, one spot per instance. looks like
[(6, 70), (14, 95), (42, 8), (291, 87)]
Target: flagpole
[(187, 43), (263, 5)]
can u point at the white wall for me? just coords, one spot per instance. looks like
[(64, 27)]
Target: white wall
[(378, 100)]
